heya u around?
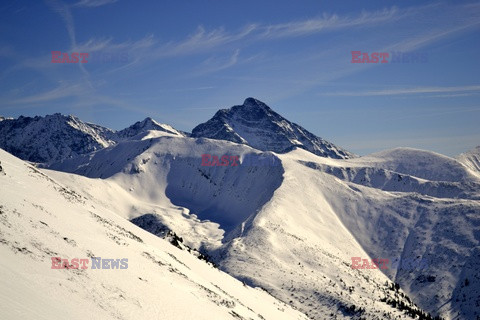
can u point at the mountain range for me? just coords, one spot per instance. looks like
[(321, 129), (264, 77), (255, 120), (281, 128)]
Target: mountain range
[(291, 229), (56, 137)]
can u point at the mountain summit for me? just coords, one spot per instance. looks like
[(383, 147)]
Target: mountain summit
[(255, 124), (146, 125)]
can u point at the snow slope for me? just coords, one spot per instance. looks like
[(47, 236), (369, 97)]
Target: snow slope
[(272, 226), (418, 204), (41, 219), (471, 159)]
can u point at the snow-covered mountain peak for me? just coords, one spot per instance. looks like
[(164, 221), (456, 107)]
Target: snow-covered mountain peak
[(148, 123), (257, 125), (144, 126), (254, 103)]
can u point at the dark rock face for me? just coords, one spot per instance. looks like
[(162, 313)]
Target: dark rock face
[(257, 125)]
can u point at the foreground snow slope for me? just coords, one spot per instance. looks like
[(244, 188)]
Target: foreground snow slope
[(272, 226), (41, 219)]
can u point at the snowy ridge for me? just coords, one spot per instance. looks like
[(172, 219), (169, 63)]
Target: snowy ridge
[(258, 126), (420, 163), (160, 281), (56, 137), (407, 170), (50, 138)]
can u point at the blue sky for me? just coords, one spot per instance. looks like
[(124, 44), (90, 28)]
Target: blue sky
[(181, 61)]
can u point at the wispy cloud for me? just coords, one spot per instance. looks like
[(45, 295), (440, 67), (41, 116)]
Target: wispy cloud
[(202, 40), (63, 90), (93, 3), (215, 64), (64, 11), (227, 45), (329, 23), (108, 44), (405, 91)]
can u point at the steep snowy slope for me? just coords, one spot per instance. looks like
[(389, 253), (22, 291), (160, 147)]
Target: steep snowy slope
[(265, 224), (40, 219), (258, 126), (167, 169), (421, 217), (471, 159)]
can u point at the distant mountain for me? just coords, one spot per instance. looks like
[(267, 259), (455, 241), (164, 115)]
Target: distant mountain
[(144, 126), (471, 159), (51, 138), (257, 125), (57, 137)]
